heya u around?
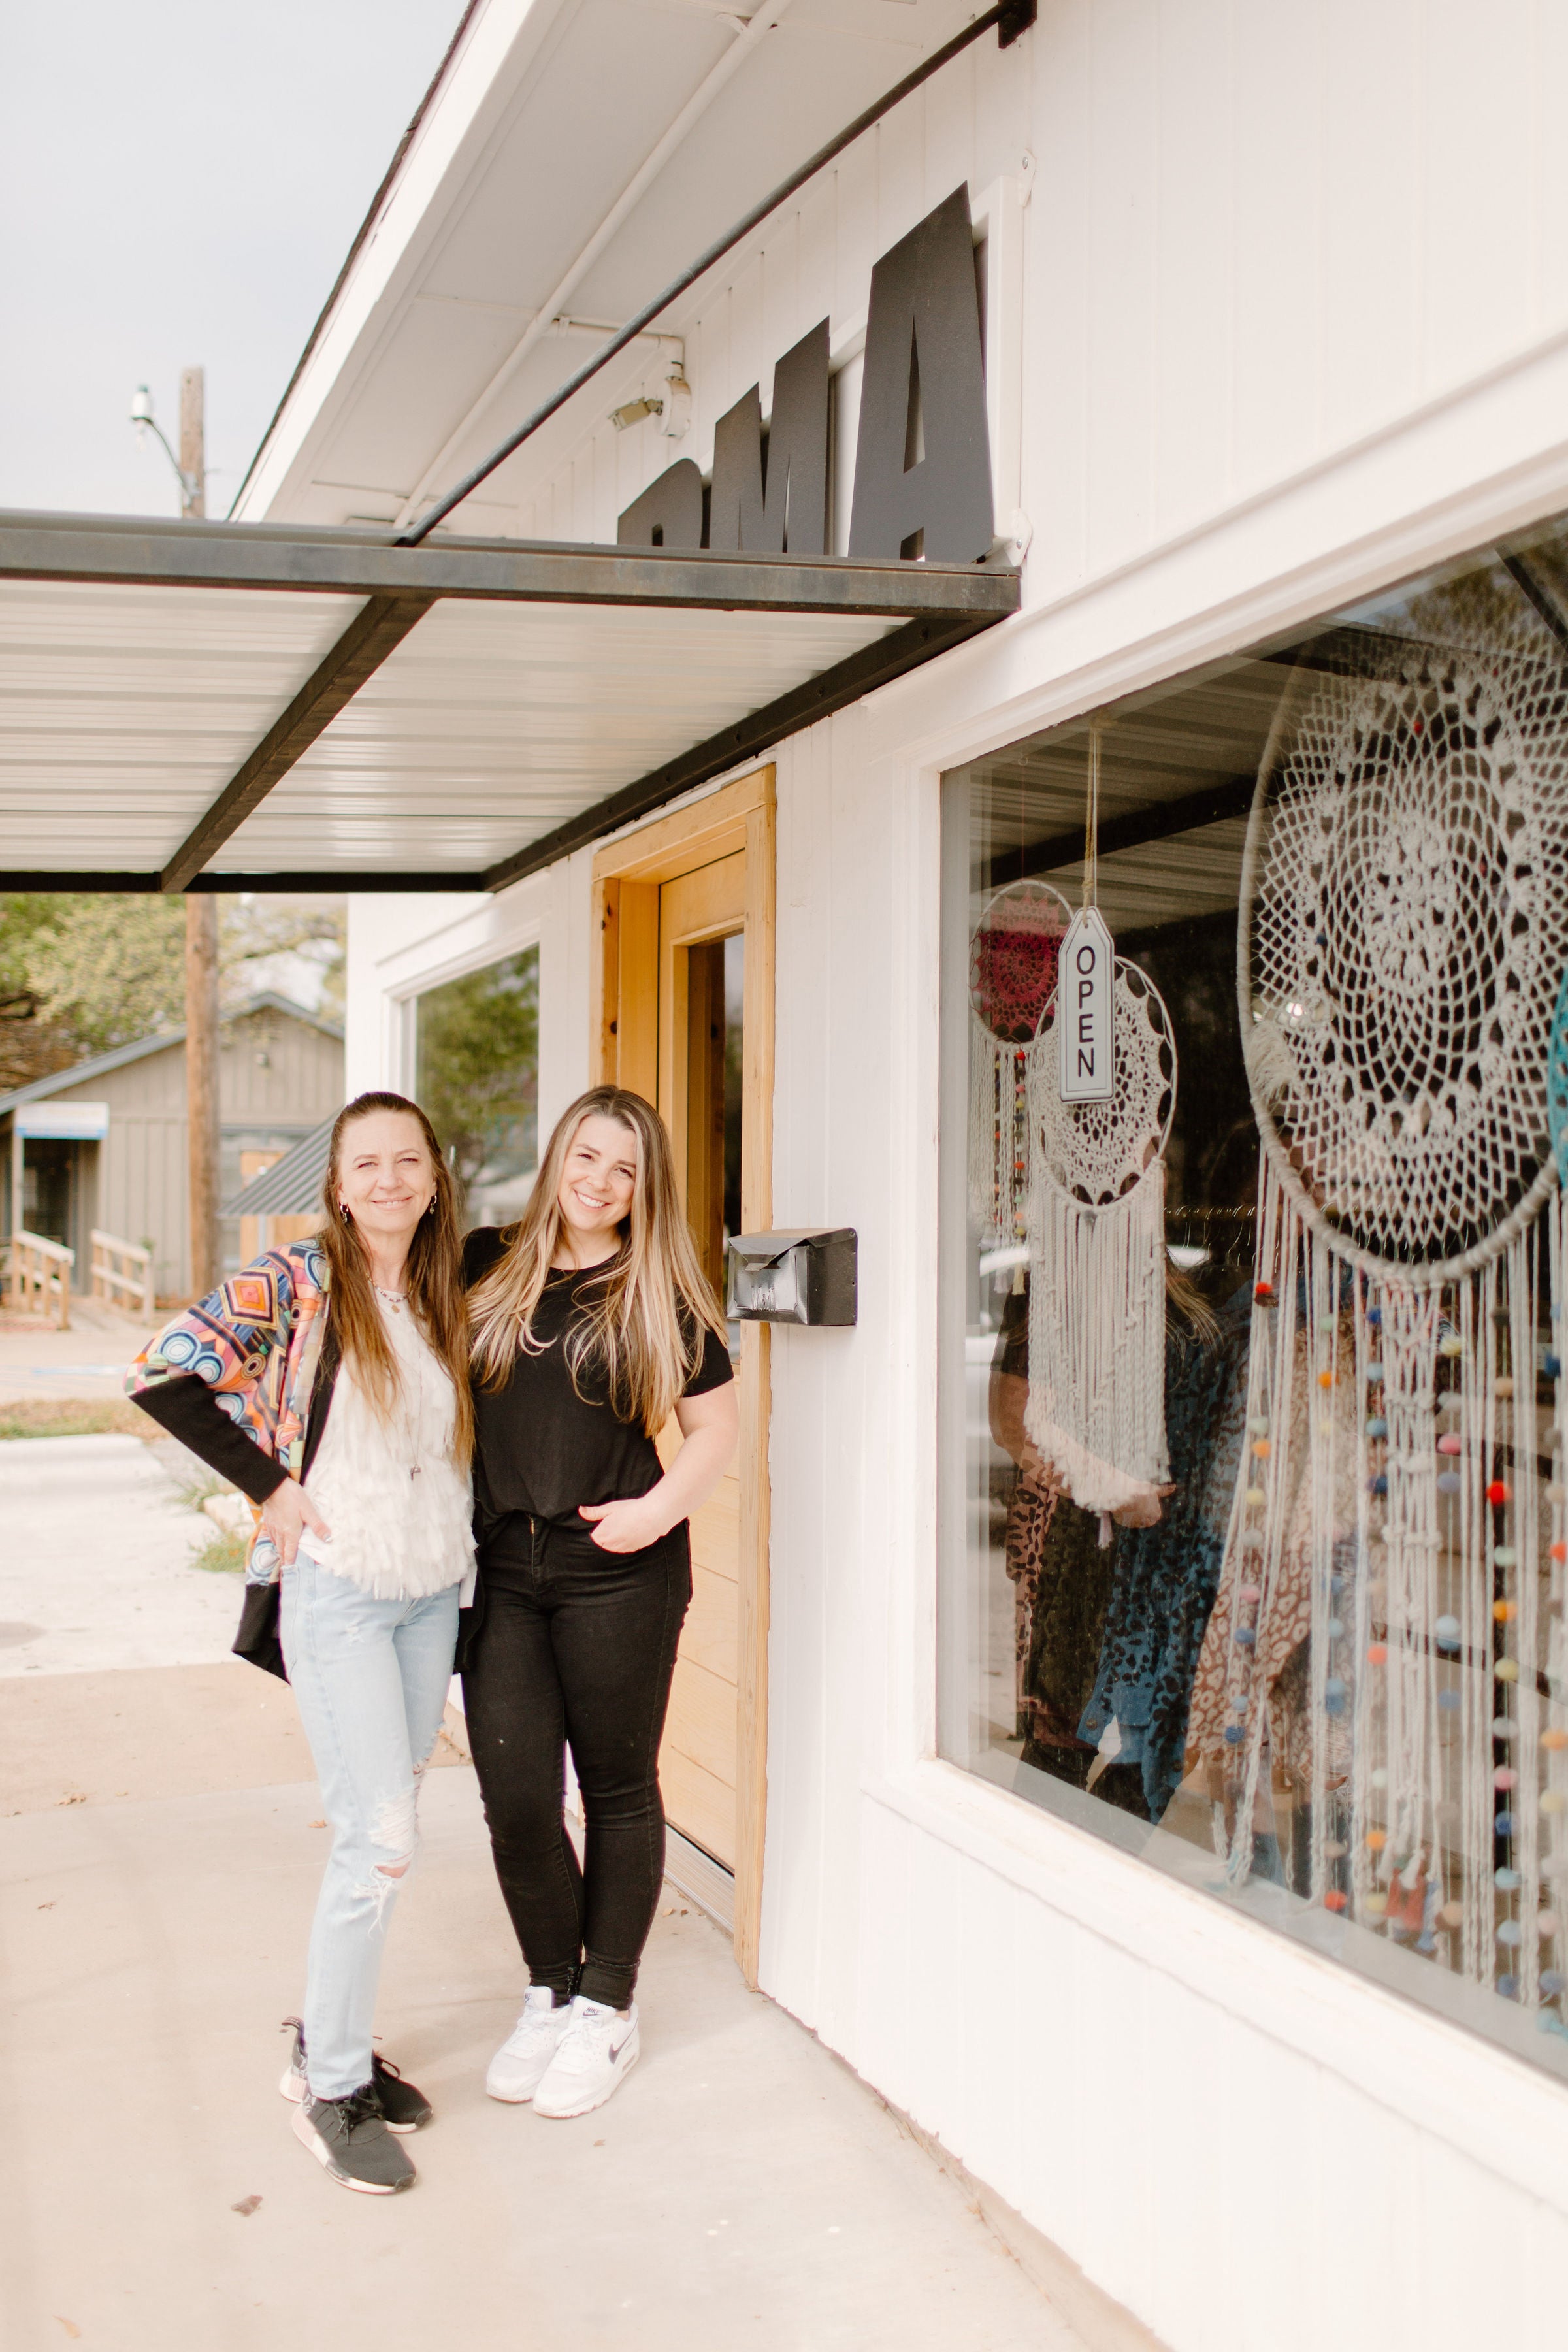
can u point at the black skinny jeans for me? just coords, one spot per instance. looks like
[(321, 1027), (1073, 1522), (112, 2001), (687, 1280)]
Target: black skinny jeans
[(577, 1647)]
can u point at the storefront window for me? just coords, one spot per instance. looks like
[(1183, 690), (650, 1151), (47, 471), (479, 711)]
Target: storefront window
[(1254, 1535), (477, 1060)]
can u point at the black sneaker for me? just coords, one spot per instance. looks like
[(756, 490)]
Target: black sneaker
[(350, 2138), (402, 2107)]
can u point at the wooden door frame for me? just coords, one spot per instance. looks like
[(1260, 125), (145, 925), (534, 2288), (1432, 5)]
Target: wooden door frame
[(624, 1015)]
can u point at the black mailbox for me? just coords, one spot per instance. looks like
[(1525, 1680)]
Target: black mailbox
[(807, 1276)]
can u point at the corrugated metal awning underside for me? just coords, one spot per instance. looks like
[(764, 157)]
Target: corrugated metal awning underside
[(379, 717)]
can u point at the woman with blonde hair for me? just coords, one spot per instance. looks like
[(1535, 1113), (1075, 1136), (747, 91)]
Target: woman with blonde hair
[(329, 1382), (593, 1323)]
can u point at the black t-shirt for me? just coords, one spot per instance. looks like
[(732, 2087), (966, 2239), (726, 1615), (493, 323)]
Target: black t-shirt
[(544, 1449)]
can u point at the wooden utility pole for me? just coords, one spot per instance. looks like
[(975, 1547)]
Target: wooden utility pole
[(192, 441), (202, 1117), (201, 1086)]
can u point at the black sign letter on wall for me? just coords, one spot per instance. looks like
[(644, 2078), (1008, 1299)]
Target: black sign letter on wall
[(669, 513), (792, 514), (924, 380)]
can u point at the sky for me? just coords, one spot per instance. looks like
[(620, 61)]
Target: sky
[(179, 181)]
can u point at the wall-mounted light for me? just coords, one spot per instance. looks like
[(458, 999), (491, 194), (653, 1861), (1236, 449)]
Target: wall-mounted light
[(634, 412)]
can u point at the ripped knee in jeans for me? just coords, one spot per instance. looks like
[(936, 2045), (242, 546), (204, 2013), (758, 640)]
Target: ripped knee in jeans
[(395, 1834)]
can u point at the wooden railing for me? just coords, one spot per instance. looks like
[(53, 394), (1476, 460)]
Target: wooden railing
[(38, 1277), (122, 1273)]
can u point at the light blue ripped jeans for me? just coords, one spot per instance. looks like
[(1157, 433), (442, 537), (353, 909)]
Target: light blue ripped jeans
[(371, 1679)]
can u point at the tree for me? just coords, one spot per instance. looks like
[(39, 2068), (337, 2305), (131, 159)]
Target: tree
[(30, 1047), (22, 914), (111, 968), (105, 970), (477, 1057)]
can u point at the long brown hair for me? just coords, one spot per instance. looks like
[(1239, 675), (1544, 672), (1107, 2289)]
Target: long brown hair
[(645, 1311), (433, 1278)]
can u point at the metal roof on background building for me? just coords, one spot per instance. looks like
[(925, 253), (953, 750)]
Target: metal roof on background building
[(227, 706), (157, 1041), (291, 1187)]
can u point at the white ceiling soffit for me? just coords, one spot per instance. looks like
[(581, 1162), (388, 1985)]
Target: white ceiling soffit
[(491, 725), (185, 702), (528, 159), (125, 710)]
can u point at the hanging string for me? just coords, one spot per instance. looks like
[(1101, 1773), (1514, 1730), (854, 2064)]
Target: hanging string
[(1091, 822)]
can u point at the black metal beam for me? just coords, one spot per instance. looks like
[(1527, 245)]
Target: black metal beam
[(308, 880), (1228, 798), (375, 631), (135, 553), (875, 665), (938, 604), (1539, 595)]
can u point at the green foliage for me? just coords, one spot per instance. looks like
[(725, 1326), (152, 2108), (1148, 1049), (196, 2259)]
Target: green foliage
[(221, 1555), (478, 1066), (292, 946), (111, 968), (108, 969), (22, 914)]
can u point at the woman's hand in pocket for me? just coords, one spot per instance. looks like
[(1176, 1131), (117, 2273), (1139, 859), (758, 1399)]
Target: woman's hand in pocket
[(626, 1526), (286, 1515)]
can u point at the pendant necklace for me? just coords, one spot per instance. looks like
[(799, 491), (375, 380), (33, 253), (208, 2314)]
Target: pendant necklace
[(394, 1299)]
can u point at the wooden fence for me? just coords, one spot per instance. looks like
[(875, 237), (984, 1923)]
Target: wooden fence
[(38, 1277), (121, 1273)]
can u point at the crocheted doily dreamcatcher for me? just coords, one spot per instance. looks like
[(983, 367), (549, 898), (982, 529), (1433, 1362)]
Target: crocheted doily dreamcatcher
[(1405, 927), (1097, 1294), (1013, 956), (1402, 940), (1097, 1151)]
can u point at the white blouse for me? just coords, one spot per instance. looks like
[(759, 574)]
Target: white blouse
[(399, 1507)]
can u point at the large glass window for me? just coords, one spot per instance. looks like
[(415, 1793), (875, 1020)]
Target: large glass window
[(477, 1060), (1303, 1643)]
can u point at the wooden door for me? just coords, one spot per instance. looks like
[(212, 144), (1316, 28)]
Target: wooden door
[(675, 904), (697, 913)]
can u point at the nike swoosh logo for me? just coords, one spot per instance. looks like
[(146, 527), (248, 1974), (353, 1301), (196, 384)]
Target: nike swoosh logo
[(617, 2047)]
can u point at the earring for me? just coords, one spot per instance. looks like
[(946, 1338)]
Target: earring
[(430, 1206), (343, 1212)]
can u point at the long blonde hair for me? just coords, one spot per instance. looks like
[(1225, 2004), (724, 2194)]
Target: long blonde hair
[(645, 1311), (434, 1279)]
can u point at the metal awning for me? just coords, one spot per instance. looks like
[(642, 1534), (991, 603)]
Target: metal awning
[(227, 706), (291, 1187)]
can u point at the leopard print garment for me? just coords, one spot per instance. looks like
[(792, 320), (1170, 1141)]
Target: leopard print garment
[(1029, 1517)]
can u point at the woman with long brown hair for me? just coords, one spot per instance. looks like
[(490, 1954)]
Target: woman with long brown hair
[(592, 1325), (329, 1381)]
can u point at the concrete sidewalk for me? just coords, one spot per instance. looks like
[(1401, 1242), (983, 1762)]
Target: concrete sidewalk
[(91, 1359), (95, 1564), (161, 1845), (743, 2189)]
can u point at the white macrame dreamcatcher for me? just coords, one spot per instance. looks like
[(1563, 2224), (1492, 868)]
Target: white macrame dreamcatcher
[(1403, 938), (1097, 1244), (1012, 975)]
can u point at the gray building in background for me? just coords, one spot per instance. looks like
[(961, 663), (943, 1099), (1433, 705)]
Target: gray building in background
[(103, 1143)]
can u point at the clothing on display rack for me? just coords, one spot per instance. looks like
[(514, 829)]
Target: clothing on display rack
[(1164, 1578), (1264, 1648)]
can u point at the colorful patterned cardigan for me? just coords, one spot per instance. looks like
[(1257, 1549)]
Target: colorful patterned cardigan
[(245, 1376)]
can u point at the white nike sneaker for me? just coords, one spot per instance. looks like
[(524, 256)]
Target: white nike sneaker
[(519, 2065), (598, 2049)]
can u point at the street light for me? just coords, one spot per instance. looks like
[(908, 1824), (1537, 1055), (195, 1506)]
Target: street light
[(193, 485)]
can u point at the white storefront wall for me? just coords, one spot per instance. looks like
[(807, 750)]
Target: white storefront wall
[(1278, 313)]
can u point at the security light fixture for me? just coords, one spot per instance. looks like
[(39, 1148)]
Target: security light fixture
[(634, 412), (143, 418)]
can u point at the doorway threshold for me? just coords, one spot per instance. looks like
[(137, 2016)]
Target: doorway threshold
[(700, 1879)]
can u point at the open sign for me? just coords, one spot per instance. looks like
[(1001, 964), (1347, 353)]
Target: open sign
[(1085, 980)]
